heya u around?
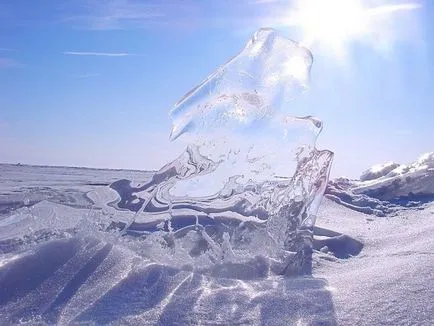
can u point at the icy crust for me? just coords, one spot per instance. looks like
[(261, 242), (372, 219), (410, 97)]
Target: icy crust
[(378, 171), (246, 190), (416, 179), (387, 188)]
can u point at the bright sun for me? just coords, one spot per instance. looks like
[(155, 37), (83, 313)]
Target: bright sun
[(334, 23)]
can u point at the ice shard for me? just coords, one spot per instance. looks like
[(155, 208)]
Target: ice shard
[(245, 192), (248, 89)]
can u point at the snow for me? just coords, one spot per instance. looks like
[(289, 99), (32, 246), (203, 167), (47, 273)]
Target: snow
[(391, 281), (405, 186), (367, 270), (403, 181), (377, 171)]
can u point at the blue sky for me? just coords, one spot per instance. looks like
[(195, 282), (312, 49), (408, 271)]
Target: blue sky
[(90, 83)]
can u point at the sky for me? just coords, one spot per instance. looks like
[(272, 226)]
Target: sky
[(90, 83)]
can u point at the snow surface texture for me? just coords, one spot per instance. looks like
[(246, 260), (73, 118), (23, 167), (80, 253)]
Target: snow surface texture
[(58, 265), (242, 199), (387, 188)]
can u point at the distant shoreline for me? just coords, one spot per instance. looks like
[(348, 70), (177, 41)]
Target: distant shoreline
[(71, 167)]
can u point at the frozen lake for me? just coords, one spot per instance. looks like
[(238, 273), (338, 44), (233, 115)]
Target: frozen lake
[(367, 270)]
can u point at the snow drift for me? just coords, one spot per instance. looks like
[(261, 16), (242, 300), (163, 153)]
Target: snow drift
[(387, 188), (413, 180)]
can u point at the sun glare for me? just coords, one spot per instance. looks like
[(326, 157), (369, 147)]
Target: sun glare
[(296, 67), (335, 23)]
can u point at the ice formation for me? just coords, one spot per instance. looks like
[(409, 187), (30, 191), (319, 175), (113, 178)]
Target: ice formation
[(387, 188), (245, 192), (378, 171), (415, 179)]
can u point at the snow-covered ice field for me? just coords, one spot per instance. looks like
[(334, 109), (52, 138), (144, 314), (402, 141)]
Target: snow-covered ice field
[(391, 281), (367, 270)]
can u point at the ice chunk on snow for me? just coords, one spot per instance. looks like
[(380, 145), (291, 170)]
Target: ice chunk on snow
[(416, 179), (383, 190), (378, 171), (426, 160), (250, 181)]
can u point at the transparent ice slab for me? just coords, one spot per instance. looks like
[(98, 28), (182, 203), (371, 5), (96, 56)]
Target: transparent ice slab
[(246, 190)]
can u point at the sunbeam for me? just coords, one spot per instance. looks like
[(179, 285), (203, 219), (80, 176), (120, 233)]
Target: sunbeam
[(333, 24)]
